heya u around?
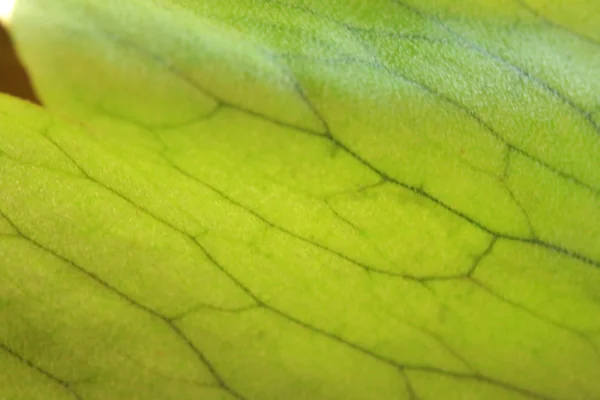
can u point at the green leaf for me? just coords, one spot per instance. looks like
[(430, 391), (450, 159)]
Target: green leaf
[(302, 200)]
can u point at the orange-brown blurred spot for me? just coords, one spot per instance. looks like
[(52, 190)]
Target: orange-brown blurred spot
[(13, 78)]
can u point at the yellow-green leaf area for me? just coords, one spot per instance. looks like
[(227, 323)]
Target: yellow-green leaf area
[(303, 200)]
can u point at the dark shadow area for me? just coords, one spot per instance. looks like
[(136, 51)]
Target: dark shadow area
[(13, 77)]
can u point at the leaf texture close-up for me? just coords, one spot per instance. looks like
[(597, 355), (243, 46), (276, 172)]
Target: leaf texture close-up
[(302, 200)]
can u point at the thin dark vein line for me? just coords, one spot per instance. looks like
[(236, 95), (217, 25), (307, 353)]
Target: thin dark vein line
[(490, 381), (51, 377), (345, 220), (484, 287), (361, 189), (556, 25), (412, 393), (555, 248), (475, 264), (211, 307), (162, 126), (437, 338), (479, 259), (532, 231), (352, 28)]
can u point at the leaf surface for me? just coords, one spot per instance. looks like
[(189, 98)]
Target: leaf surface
[(302, 200)]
